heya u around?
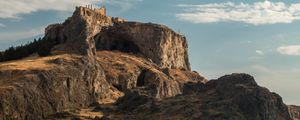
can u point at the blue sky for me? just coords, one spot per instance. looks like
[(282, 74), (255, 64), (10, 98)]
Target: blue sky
[(225, 36)]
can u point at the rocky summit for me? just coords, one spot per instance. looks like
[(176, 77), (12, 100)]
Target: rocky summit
[(105, 68)]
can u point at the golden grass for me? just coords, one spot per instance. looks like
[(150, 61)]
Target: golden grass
[(88, 113), (32, 63), (83, 114)]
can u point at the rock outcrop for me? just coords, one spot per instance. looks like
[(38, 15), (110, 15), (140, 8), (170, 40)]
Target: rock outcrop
[(34, 89), (136, 70), (76, 34), (231, 97), (127, 71), (156, 43), (77, 76), (294, 112), (159, 43)]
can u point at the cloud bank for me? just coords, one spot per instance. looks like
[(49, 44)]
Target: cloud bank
[(257, 13), (11, 9), (293, 50)]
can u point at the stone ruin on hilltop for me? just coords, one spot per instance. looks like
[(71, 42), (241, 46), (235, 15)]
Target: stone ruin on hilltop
[(90, 29)]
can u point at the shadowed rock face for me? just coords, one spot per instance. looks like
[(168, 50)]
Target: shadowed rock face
[(232, 97), (162, 45)]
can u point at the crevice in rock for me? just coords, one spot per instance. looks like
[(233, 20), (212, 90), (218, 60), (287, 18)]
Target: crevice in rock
[(141, 79), (119, 87), (125, 46)]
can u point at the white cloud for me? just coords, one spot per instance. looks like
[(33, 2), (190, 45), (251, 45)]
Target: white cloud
[(293, 50), (260, 52), (5, 36), (257, 13), (13, 8)]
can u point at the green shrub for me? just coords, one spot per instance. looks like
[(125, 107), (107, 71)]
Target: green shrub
[(41, 46)]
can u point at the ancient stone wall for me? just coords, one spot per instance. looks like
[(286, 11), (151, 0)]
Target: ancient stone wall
[(101, 11)]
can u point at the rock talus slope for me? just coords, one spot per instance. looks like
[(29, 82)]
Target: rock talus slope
[(125, 70)]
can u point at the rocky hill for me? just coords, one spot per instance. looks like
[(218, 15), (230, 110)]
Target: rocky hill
[(295, 112), (108, 68)]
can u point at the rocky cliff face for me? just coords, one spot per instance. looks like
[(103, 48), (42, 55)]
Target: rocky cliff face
[(35, 89), (157, 42), (294, 112), (231, 97), (126, 70), (76, 34)]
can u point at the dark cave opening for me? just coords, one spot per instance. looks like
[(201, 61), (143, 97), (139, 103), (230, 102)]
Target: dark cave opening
[(125, 46), (119, 87), (141, 79)]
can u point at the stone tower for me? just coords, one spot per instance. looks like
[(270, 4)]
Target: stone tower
[(101, 11)]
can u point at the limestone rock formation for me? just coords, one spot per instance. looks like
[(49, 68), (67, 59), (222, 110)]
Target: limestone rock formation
[(35, 89), (125, 70), (159, 43), (294, 112), (76, 34), (231, 97), (77, 76)]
